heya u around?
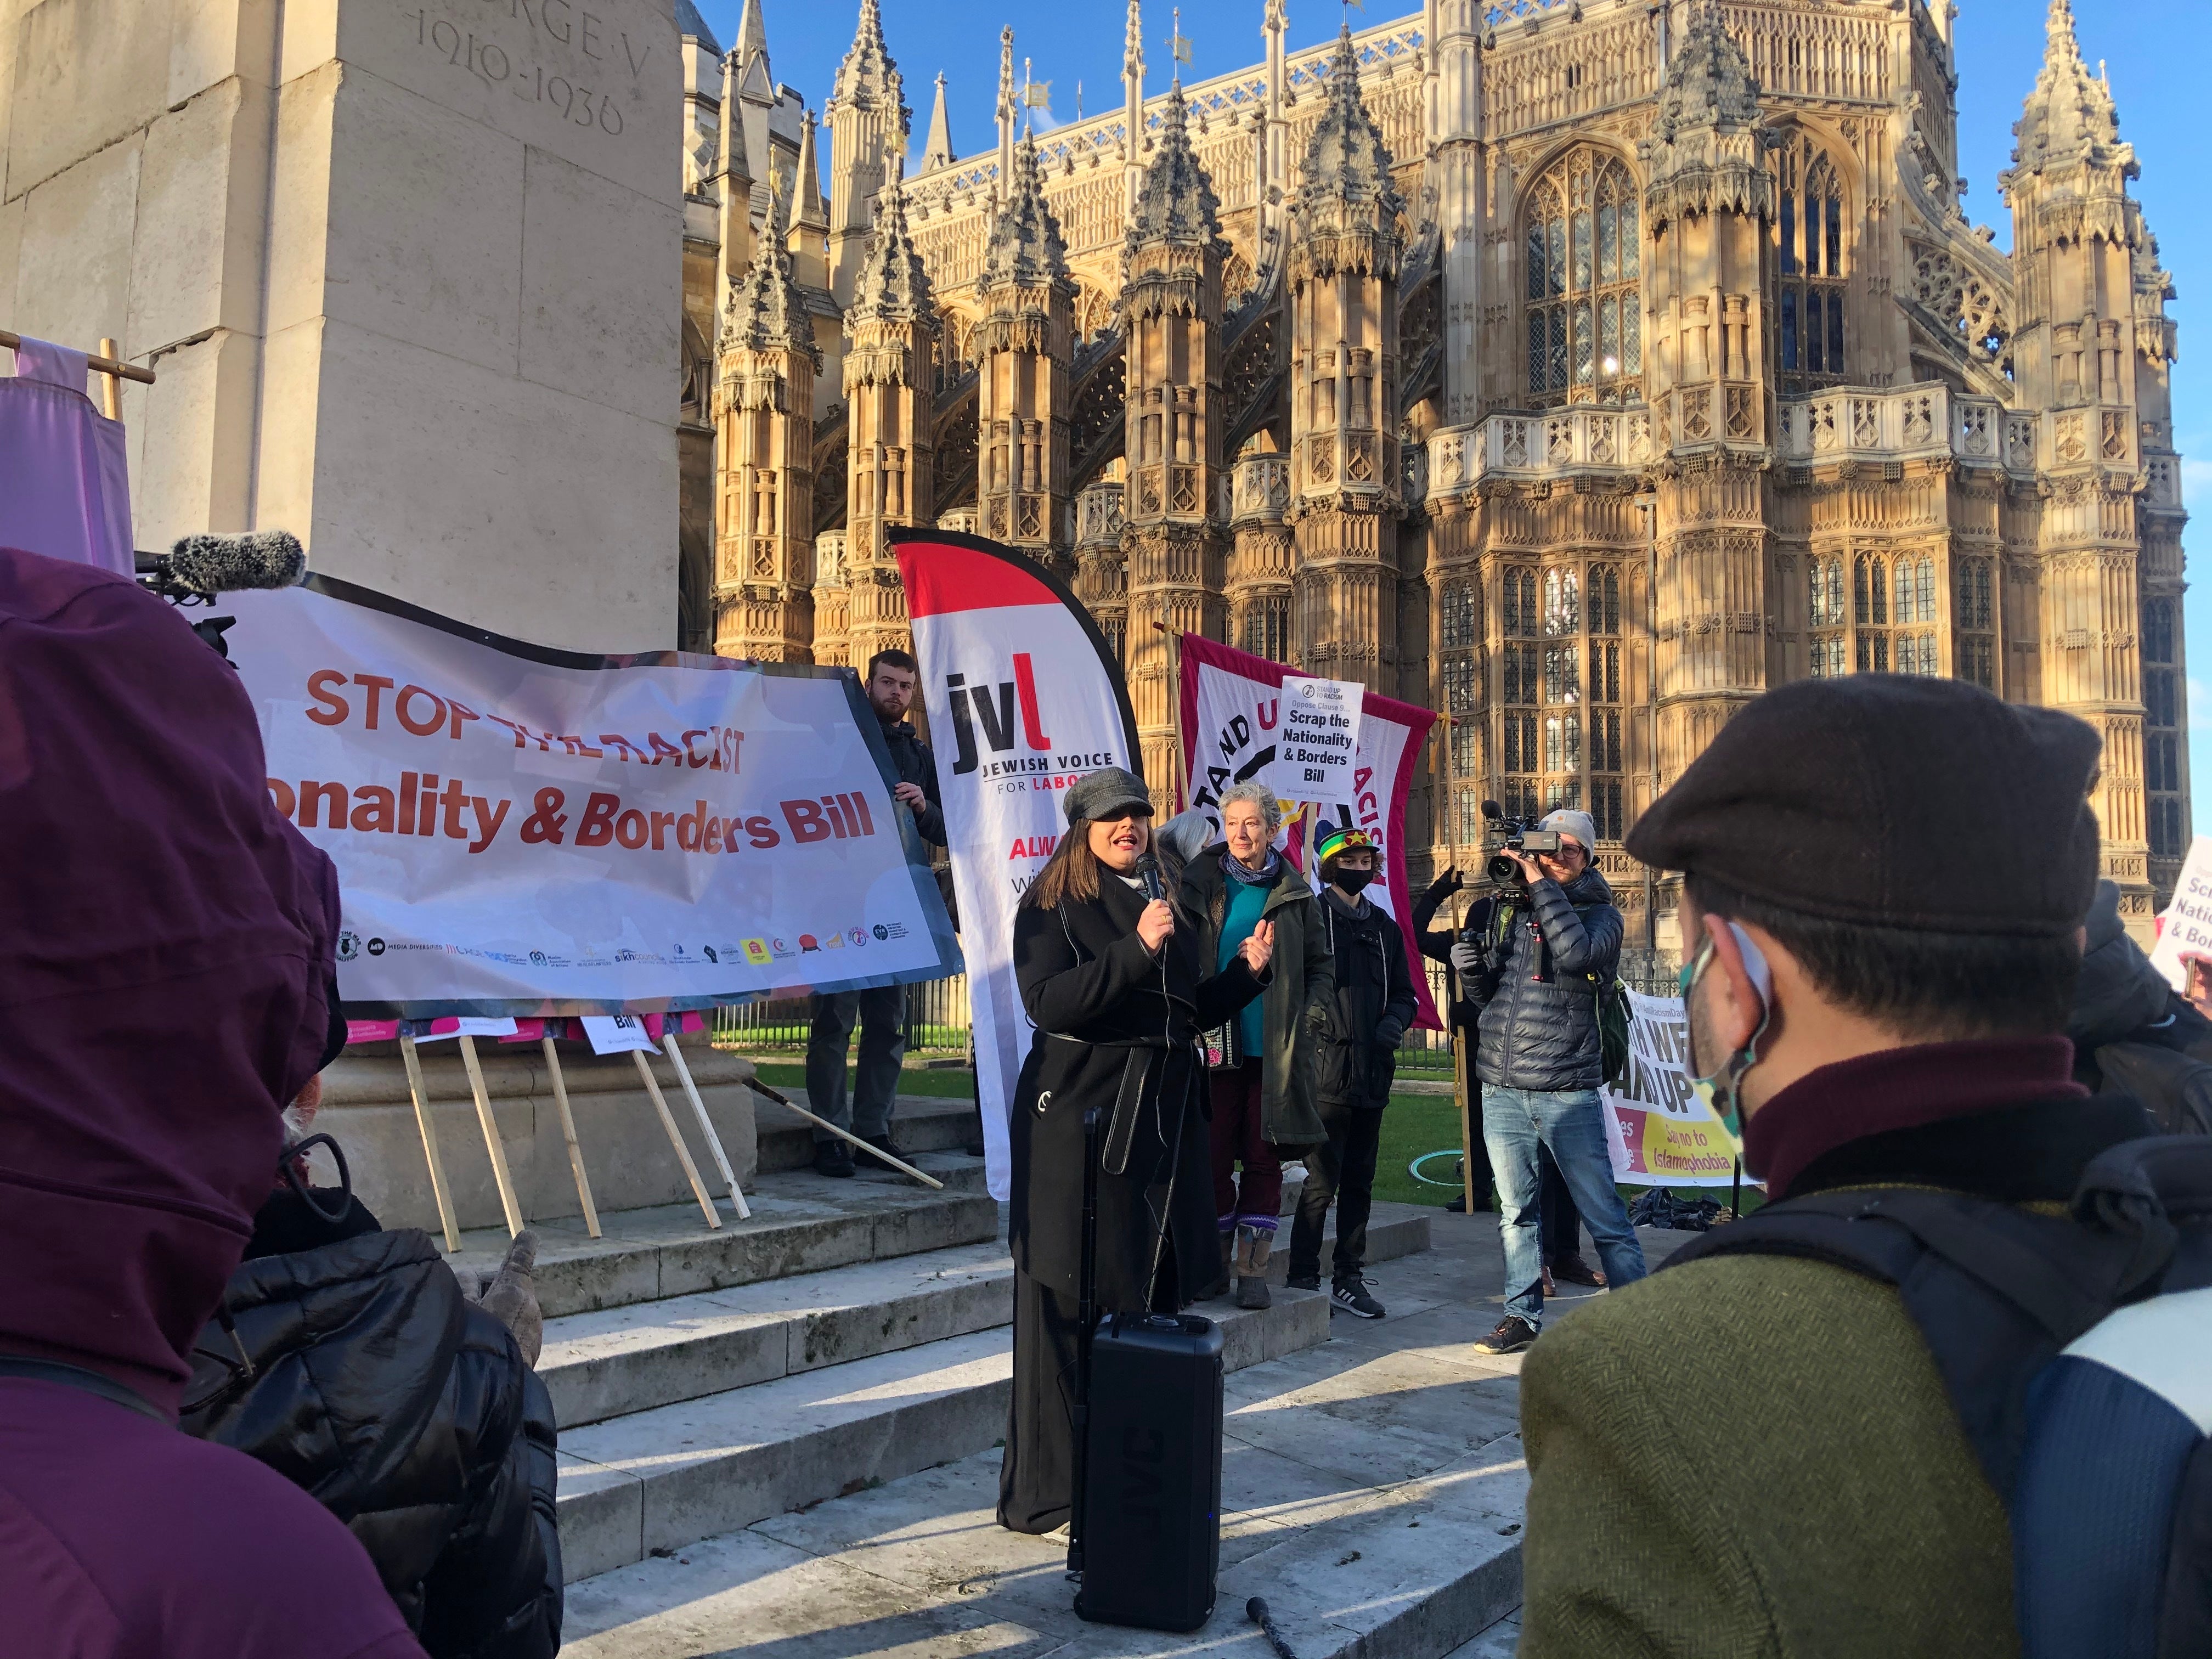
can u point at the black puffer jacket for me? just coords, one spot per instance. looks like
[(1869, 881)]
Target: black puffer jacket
[(1374, 982), (1538, 996), (408, 1412)]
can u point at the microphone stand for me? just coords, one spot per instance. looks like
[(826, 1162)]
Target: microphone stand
[(1086, 1319)]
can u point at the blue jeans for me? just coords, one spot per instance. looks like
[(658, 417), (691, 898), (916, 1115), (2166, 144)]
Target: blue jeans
[(1515, 1121)]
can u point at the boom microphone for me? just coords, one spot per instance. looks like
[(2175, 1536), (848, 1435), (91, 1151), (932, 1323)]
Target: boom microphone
[(262, 560)]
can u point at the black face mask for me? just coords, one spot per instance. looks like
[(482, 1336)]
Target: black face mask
[(1352, 880)]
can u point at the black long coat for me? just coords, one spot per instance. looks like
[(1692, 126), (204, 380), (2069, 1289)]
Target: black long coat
[(1102, 1005)]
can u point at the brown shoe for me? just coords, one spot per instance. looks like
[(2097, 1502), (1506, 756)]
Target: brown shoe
[(1573, 1270)]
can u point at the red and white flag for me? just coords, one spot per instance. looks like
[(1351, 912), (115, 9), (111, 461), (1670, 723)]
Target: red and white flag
[(1025, 695), (1231, 714)]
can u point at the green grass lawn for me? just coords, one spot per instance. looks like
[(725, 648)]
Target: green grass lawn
[(949, 1083)]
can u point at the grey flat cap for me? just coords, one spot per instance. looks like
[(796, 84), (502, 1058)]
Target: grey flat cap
[(1107, 792)]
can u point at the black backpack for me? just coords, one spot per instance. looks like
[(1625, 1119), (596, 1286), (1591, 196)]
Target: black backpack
[(2077, 1352)]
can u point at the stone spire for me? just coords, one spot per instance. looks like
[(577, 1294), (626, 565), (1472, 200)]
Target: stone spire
[(752, 35), (1708, 83), (1704, 152), (809, 235), (893, 283), (766, 312), (1175, 202), (2070, 116), (1133, 106), (1348, 163), (869, 123), (1133, 43), (937, 152), (867, 71), (1008, 108), (1025, 244), (734, 193)]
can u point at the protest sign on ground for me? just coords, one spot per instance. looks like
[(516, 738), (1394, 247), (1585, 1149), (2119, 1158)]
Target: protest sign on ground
[(521, 830), (1232, 718), (1659, 1132), (1027, 696)]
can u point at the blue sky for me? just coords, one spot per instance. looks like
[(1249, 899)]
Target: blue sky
[(2155, 52)]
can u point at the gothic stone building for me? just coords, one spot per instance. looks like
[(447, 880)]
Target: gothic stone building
[(1580, 369)]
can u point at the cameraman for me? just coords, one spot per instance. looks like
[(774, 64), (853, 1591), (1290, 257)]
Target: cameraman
[(1551, 943)]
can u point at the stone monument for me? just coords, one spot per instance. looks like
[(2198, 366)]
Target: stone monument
[(409, 272)]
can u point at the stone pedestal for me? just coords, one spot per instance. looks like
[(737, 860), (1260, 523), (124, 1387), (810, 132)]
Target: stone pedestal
[(408, 272), (366, 1106)]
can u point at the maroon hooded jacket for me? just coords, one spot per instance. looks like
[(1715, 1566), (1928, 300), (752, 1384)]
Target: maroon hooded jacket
[(163, 934)]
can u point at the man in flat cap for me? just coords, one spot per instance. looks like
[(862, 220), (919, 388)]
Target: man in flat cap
[(1885, 880)]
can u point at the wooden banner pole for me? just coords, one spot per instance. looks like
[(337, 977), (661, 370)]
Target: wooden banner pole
[(675, 1140), (706, 1125), (767, 1093), (492, 1142), (568, 1134), (422, 1097)]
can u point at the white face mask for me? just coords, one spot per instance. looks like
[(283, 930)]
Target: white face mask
[(1721, 1089)]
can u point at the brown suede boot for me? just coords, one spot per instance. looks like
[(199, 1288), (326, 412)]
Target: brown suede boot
[(1253, 1249)]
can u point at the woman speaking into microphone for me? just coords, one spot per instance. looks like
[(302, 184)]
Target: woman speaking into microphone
[(1110, 974)]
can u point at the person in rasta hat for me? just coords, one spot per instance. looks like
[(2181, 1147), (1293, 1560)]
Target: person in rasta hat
[(1885, 879), (1356, 1056)]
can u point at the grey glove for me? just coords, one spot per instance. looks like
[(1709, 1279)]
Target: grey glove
[(1389, 1031), (1467, 958), (510, 1296)]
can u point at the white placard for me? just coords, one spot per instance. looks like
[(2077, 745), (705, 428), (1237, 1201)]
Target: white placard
[(472, 1026), (523, 832), (1315, 750), (2187, 923), (618, 1034)]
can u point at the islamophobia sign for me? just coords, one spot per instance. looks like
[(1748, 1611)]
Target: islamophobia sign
[(525, 831), (1232, 732), (1659, 1133), (1017, 675)]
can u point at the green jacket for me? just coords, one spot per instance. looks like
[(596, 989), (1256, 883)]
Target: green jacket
[(1298, 994), (1754, 1456)]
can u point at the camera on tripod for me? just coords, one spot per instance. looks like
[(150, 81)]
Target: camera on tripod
[(1520, 835)]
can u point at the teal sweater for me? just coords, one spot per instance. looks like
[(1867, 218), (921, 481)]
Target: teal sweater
[(1248, 899)]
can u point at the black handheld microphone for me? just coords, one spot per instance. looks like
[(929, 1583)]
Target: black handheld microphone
[(1148, 871)]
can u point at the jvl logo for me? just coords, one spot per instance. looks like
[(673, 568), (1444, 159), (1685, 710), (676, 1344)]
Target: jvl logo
[(993, 708)]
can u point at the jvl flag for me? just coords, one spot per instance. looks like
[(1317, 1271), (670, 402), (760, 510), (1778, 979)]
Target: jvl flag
[(1024, 692), (1658, 1130)]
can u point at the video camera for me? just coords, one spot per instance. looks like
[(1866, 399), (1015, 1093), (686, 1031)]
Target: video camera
[(1520, 835)]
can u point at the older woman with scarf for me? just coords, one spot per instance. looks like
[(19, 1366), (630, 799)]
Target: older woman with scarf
[(1262, 1062), (1119, 988)]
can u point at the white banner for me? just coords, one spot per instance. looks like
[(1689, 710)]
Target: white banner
[(520, 830), (1660, 1133), (1024, 697), (1231, 719)]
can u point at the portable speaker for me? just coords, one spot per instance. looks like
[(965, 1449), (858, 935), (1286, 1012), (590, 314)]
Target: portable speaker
[(1151, 1509)]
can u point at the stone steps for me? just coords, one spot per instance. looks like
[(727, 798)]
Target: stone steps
[(1372, 1490), (801, 1222), (692, 1415), (922, 1123), (615, 1361), (662, 1478)]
